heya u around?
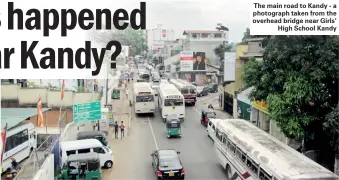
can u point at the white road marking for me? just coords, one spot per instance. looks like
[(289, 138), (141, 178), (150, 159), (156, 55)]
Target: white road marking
[(155, 140), (196, 110)]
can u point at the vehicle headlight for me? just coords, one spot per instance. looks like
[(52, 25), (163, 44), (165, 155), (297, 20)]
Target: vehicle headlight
[(179, 131)]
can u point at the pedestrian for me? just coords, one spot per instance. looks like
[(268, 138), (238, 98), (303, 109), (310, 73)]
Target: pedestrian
[(126, 93), (122, 129), (116, 129)]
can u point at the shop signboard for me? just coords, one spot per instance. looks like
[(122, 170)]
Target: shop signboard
[(192, 61), (261, 106), (244, 110)]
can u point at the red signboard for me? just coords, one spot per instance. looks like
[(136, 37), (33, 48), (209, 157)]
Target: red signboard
[(164, 33)]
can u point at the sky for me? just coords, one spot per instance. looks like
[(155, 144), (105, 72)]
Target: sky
[(181, 15)]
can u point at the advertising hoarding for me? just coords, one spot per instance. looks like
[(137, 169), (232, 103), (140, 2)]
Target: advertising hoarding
[(192, 61)]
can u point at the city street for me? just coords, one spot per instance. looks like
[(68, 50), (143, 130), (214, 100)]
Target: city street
[(148, 133)]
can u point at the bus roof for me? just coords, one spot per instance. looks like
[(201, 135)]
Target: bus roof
[(143, 87), (80, 144), (181, 83), (169, 90), (276, 156)]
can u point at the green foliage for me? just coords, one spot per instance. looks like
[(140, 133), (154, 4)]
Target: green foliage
[(128, 37), (247, 35), (331, 126), (298, 78), (221, 49)]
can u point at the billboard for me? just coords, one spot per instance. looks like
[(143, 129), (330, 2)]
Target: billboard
[(192, 61)]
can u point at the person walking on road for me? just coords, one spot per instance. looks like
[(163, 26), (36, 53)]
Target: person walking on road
[(122, 129), (126, 93), (116, 129)]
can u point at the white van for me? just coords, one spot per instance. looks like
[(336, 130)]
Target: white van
[(211, 128), (86, 146)]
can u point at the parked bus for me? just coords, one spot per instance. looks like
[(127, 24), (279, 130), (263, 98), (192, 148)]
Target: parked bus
[(20, 142), (247, 152), (143, 98), (187, 89), (171, 101)]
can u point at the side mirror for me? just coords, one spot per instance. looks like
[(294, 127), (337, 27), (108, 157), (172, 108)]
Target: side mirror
[(178, 152)]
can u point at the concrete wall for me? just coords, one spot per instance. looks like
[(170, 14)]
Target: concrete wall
[(30, 96), (9, 91), (46, 171)]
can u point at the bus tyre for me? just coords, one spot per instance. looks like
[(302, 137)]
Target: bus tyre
[(108, 164), (228, 172)]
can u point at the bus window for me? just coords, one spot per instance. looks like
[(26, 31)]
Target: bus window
[(240, 155), (263, 175), (218, 135), (224, 139), (16, 139), (231, 146), (254, 167)]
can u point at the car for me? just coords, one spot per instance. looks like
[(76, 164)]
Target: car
[(167, 164), (202, 91)]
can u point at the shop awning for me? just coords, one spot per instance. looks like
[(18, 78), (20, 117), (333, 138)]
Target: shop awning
[(243, 96)]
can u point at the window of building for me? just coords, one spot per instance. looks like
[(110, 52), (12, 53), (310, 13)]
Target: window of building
[(204, 35), (218, 35), (194, 35)]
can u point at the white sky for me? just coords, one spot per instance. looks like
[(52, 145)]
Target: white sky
[(180, 15)]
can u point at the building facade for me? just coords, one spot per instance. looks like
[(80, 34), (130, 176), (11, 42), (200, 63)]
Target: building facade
[(205, 41)]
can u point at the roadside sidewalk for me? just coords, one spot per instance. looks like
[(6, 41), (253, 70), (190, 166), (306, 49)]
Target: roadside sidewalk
[(214, 100), (122, 111)]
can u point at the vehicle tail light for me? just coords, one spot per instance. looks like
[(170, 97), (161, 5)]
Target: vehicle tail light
[(159, 173), (182, 171)]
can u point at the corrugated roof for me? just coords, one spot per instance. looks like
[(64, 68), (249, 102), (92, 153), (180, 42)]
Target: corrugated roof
[(14, 116), (244, 95)]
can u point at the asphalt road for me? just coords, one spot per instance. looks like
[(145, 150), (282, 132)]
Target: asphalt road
[(148, 133)]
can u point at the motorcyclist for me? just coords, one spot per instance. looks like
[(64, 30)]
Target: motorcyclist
[(210, 106)]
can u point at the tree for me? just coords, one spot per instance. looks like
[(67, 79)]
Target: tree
[(299, 79), (221, 49), (247, 35), (128, 37)]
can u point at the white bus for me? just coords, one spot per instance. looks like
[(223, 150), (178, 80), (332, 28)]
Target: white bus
[(171, 101), (247, 152), (20, 142), (143, 98), (187, 89)]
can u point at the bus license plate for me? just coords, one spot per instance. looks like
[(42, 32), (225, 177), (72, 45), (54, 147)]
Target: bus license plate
[(171, 174)]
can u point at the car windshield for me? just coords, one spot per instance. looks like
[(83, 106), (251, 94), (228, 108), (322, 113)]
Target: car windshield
[(193, 90), (169, 162)]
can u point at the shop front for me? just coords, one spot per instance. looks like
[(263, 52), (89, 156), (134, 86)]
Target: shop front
[(244, 104), (259, 115)]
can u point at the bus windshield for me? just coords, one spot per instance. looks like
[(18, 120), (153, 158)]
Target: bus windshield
[(174, 102), (145, 98), (116, 91)]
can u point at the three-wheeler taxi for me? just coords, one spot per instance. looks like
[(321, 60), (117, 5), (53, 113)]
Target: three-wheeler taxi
[(116, 93), (81, 167), (173, 127)]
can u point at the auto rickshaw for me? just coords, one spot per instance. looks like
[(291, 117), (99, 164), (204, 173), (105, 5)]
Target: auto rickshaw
[(173, 127), (99, 135), (213, 88), (206, 114), (116, 93), (81, 167)]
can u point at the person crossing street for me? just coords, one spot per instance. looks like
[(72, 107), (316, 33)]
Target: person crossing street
[(116, 129)]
